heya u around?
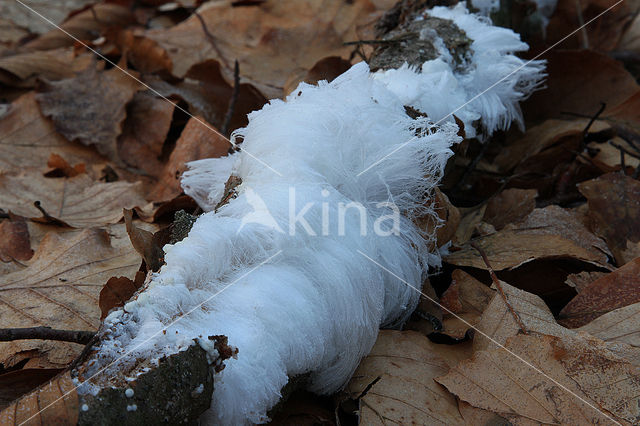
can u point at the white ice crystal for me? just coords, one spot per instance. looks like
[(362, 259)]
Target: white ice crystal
[(304, 298)]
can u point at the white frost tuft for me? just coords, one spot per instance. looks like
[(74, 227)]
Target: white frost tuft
[(317, 303)]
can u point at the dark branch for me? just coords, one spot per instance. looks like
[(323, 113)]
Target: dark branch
[(211, 39), (45, 333), (233, 100)]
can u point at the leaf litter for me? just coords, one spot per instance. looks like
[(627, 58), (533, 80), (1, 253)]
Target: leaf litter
[(555, 209)]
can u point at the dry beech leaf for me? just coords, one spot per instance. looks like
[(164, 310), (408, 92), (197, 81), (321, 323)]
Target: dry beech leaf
[(541, 137), (58, 395), (16, 383), (449, 216), (325, 69), (145, 54), (79, 201), (117, 291), (607, 156), (496, 380), (15, 243), (578, 81), (195, 142), (269, 40), (61, 168), (467, 298), (468, 223), (60, 289), (614, 290), (86, 25), (621, 325), (144, 132), (56, 12), (90, 107), (29, 139), (430, 312), (581, 280), (499, 324), (546, 233), (397, 381), (603, 34), (511, 205), (631, 38), (146, 243), (10, 32), (22, 70), (208, 94), (614, 208)]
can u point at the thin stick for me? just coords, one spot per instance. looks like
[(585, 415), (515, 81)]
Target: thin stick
[(624, 150), (233, 100), (45, 333), (496, 282), (360, 42), (211, 39)]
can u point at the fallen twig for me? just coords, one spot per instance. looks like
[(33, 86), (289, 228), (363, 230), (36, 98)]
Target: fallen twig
[(234, 98), (46, 333), (496, 282), (211, 39)]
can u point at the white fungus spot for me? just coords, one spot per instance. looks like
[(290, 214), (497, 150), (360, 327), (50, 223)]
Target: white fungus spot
[(129, 392), (132, 407), (85, 407)]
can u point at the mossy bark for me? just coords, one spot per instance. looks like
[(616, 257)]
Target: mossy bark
[(177, 391)]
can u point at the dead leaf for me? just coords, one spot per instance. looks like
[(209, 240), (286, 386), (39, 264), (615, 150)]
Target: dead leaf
[(618, 326), (578, 81), (79, 201), (511, 205), (581, 280), (395, 382), (60, 398), (538, 138), (449, 218), (90, 107), (144, 132), (325, 69), (15, 243), (551, 232), (16, 383), (603, 34), (208, 94), (498, 324), (427, 317), (471, 217), (87, 25), (196, 142), (146, 243), (496, 380), (614, 208), (56, 12), (614, 290), (61, 168), (11, 33), (467, 298), (29, 139), (607, 156), (143, 53), (117, 291), (269, 40), (23, 69), (60, 289)]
